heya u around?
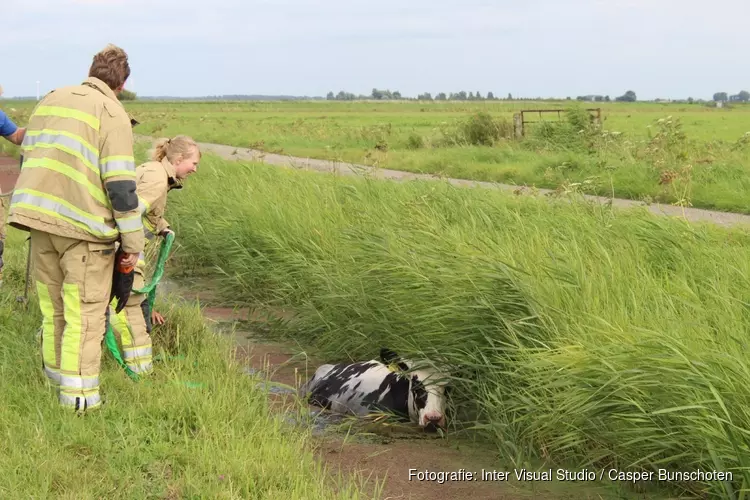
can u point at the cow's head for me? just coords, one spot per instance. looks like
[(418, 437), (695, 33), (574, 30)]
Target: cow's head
[(427, 390)]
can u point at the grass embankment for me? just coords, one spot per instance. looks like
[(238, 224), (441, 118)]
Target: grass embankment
[(593, 337), (162, 438), (637, 158)]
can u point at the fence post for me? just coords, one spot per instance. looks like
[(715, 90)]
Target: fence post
[(518, 125)]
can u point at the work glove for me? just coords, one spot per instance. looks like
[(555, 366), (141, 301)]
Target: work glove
[(122, 281), (166, 233)]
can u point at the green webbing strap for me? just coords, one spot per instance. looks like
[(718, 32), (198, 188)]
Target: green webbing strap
[(150, 289)]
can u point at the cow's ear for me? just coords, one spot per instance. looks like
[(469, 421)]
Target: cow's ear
[(389, 357)]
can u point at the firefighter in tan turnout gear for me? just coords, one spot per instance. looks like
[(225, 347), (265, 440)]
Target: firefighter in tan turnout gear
[(76, 195), (173, 160)]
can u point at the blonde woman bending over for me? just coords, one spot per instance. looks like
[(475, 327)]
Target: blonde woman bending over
[(173, 160)]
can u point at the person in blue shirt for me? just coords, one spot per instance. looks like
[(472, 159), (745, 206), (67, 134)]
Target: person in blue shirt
[(10, 131)]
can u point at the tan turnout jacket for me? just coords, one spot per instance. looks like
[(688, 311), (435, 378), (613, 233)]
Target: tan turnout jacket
[(155, 179), (78, 175)]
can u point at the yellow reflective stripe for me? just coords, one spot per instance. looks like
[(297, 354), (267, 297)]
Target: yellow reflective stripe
[(147, 224), (130, 224), (48, 325), (71, 173), (64, 141), (59, 209), (113, 173), (145, 205), (75, 114), (120, 324), (71, 340)]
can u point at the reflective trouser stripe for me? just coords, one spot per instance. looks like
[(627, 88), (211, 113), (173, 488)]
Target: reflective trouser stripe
[(76, 390), (71, 341), (90, 399), (138, 357), (48, 325), (120, 323)]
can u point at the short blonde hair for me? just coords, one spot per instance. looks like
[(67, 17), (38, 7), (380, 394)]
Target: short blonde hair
[(171, 149), (111, 66)]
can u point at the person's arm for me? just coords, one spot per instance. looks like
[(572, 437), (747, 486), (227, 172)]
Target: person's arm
[(117, 167), (10, 130), (152, 190)]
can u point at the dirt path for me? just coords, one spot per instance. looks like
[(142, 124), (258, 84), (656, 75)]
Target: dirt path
[(8, 174), (235, 153)]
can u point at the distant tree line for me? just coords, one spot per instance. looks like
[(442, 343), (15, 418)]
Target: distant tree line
[(742, 96), (127, 95), (382, 95)]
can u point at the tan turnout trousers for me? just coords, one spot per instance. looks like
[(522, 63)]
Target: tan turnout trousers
[(74, 281), (132, 327)]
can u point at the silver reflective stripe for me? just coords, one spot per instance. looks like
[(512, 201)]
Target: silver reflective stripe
[(130, 224), (60, 211), (73, 383), (71, 400), (136, 352), (140, 368), (117, 165), (53, 375), (68, 143)]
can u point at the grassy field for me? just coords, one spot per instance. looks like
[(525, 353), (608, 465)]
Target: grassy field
[(163, 438), (606, 339), (600, 338), (698, 158)]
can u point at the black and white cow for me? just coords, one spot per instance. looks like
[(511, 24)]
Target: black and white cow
[(390, 385)]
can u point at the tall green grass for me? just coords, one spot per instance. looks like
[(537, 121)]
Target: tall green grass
[(198, 428), (597, 337)]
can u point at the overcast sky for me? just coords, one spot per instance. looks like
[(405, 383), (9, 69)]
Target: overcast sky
[(530, 48)]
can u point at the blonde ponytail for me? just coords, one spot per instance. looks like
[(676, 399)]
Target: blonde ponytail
[(171, 149)]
